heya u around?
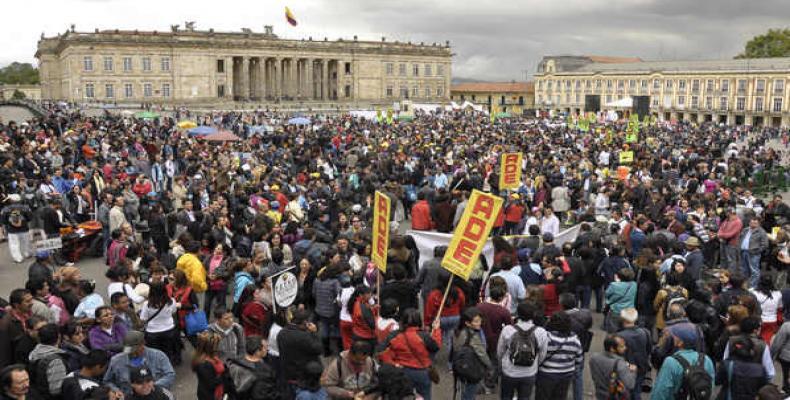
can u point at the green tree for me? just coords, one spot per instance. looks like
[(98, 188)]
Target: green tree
[(774, 43), (18, 95), (19, 74)]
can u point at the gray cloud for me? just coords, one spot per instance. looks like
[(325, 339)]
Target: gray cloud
[(491, 39)]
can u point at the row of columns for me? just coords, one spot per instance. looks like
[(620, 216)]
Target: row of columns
[(283, 78)]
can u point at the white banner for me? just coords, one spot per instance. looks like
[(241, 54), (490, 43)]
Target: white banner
[(427, 240)]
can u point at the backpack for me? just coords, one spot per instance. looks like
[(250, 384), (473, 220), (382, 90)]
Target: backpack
[(15, 218), (38, 374), (467, 366), (697, 383), (617, 389), (673, 296), (523, 349)]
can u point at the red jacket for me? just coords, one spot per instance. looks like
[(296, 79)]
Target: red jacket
[(421, 216), (363, 321), (254, 318), (730, 231), (514, 213), (551, 299), (142, 189), (450, 310), (411, 348)]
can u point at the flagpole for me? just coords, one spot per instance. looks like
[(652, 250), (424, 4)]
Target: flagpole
[(444, 299)]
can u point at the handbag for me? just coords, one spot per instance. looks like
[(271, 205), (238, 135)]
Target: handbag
[(195, 322)]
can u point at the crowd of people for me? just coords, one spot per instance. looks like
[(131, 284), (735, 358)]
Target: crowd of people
[(686, 265)]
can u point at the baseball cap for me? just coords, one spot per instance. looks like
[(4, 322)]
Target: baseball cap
[(42, 254), (140, 375)]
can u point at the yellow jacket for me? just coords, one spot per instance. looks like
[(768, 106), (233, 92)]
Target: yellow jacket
[(193, 268)]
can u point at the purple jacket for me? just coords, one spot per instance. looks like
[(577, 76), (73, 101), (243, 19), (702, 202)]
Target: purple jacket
[(113, 344)]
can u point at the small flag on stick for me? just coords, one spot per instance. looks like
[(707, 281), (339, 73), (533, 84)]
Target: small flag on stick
[(289, 16)]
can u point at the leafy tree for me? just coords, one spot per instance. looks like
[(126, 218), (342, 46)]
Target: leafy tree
[(18, 95), (19, 73), (774, 43)]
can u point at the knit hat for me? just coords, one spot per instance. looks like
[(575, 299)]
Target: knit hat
[(686, 333)]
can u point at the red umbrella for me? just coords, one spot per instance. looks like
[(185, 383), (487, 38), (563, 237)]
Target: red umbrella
[(222, 136)]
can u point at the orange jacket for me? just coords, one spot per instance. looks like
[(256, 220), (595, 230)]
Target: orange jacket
[(421, 216)]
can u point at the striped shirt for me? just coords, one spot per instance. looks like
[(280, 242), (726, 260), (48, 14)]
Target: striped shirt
[(563, 354)]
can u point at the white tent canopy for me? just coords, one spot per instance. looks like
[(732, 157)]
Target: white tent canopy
[(625, 102)]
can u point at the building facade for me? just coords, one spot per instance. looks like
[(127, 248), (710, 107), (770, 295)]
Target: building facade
[(183, 66), (511, 97), (739, 92), (30, 92)]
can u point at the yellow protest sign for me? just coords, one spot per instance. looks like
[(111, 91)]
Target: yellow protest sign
[(381, 230), (471, 233), (510, 171), (626, 157)]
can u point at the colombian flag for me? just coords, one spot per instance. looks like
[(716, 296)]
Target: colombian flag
[(290, 17)]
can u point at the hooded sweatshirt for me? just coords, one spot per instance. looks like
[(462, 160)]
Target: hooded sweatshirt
[(56, 369)]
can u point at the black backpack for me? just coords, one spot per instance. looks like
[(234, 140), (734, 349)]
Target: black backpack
[(38, 374), (697, 383), (467, 366), (523, 349)]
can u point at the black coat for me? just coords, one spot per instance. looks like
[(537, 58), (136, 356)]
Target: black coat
[(404, 293), (297, 348)]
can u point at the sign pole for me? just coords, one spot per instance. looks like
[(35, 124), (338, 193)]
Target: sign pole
[(444, 299)]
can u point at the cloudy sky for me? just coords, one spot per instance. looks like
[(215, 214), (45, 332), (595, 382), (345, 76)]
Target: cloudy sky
[(492, 40)]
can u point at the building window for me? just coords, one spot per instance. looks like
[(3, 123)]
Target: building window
[(568, 84), (681, 101), (758, 104), (220, 91), (654, 101), (709, 86), (632, 84), (108, 63), (440, 70), (440, 91), (669, 84), (402, 69), (109, 91), (740, 103), (347, 90), (779, 86), (165, 63), (578, 99), (741, 86), (148, 90), (709, 102), (473, 98), (390, 69), (428, 91), (682, 85), (127, 64), (539, 99), (165, 90), (127, 90), (656, 84), (621, 84), (404, 92), (760, 87), (428, 69), (608, 98), (598, 83), (540, 85), (220, 67), (147, 64), (723, 103), (389, 91), (521, 100), (89, 91), (415, 70), (415, 91), (578, 84), (695, 85), (348, 68), (588, 85), (725, 85), (87, 63), (777, 104), (548, 85), (608, 83)]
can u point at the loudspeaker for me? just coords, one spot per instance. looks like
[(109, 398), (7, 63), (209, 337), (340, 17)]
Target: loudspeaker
[(641, 106), (592, 103)]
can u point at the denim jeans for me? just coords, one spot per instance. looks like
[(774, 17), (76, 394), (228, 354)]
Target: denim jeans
[(448, 325), (218, 296), (522, 386), (419, 378), (584, 293), (750, 264), (466, 390), (552, 386), (636, 393), (578, 383), (729, 257)]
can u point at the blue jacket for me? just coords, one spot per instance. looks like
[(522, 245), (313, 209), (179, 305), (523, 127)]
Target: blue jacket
[(117, 375), (637, 241), (670, 376), (620, 295), (240, 281)]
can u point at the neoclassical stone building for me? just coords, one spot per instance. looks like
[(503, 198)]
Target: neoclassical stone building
[(190, 66)]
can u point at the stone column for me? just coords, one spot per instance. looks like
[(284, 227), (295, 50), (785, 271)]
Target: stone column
[(229, 78), (261, 82), (278, 80), (325, 80), (267, 77), (245, 78), (294, 78), (308, 79)]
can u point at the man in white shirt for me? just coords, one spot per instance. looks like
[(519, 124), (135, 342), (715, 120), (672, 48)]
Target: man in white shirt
[(117, 217)]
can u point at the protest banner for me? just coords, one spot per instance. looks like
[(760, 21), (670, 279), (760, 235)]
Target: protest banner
[(510, 171), (381, 230), (471, 233), (626, 157)]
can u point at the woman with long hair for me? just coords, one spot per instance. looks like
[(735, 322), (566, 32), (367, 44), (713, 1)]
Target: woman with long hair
[(216, 266), (276, 242), (157, 316), (256, 313), (469, 333), (213, 377), (181, 291), (451, 312), (73, 339), (363, 315), (770, 301)]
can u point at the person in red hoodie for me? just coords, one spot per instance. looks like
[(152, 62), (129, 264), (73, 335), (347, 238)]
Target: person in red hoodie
[(451, 313), (256, 314), (514, 212), (729, 234), (411, 348), (421, 214), (363, 316), (142, 186)]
